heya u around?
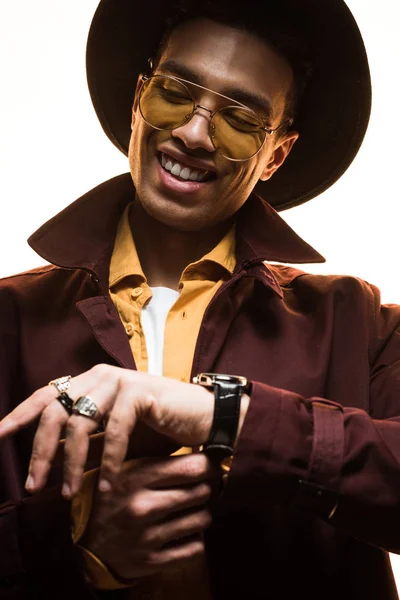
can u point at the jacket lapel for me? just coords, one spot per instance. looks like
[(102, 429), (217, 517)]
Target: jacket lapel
[(107, 328)]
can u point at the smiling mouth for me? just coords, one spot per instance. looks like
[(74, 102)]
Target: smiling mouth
[(183, 172)]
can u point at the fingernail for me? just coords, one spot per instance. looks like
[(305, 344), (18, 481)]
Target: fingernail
[(29, 484), (66, 491), (104, 485)]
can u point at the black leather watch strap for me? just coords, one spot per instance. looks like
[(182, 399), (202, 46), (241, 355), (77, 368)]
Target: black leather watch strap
[(228, 395)]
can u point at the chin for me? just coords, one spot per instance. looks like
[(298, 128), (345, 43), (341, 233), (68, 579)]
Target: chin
[(172, 214), (179, 222)]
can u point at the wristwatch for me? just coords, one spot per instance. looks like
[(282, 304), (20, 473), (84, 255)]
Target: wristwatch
[(228, 390)]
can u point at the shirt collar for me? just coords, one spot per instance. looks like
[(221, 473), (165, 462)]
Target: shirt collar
[(82, 235), (222, 255), (125, 260)]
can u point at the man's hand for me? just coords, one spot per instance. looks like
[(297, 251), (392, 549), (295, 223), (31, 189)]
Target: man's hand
[(154, 517), (181, 411)]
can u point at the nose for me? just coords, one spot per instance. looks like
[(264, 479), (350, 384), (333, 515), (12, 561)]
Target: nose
[(195, 133)]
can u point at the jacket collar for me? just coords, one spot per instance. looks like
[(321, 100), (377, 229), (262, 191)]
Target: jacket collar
[(263, 234), (82, 235)]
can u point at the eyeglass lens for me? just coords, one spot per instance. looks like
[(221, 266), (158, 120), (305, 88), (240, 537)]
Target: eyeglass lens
[(166, 103)]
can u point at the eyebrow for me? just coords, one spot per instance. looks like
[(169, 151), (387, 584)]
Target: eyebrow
[(245, 97)]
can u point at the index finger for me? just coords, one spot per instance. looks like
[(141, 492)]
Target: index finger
[(26, 412), (31, 408)]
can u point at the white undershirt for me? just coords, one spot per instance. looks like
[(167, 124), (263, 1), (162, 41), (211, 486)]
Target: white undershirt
[(153, 316)]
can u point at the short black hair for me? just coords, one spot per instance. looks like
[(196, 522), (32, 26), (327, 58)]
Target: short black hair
[(285, 31)]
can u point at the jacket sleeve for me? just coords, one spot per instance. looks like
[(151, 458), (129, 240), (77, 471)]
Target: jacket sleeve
[(339, 462), (37, 556)]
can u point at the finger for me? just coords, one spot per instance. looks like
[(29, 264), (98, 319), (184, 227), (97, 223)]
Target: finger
[(76, 448), (120, 424), (187, 469), (169, 472), (182, 552), (149, 507), (45, 445), (29, 410), (79, 430), (176, 529), (46, 441), (26, 412)]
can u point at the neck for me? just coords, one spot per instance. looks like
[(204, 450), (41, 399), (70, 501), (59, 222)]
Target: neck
[(164, 252)]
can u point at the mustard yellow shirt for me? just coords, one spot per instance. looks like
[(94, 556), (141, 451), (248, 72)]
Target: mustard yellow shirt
[(130, 292), (198, 284)]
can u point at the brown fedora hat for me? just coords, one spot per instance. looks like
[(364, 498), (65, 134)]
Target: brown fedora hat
[(333, 111)]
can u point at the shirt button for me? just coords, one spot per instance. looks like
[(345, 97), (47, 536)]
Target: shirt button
[(183, 314), (129, 330), (136, 292)]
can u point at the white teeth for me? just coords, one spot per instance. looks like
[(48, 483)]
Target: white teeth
[(182, 172), (176, 169), (185, 173)]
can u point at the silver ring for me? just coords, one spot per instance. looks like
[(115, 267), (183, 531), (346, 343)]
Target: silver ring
[(62, 384), (85, 407)]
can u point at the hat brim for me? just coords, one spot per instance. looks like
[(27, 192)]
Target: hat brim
[(333, 113)]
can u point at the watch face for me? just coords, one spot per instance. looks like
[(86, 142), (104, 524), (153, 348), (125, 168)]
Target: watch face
[(208, 379)]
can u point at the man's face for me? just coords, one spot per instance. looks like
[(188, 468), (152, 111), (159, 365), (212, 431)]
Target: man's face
[(227, 61)]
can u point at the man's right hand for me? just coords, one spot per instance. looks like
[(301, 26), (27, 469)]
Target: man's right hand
[(155, 517)]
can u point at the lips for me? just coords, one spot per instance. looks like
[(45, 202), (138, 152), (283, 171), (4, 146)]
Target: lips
[(183, 171)]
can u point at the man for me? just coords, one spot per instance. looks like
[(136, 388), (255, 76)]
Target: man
[(171, 276)]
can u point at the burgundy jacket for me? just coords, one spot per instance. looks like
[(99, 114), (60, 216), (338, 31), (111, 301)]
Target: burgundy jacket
[(312, 504)]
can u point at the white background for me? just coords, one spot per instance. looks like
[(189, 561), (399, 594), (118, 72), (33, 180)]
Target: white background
[(52, 148)]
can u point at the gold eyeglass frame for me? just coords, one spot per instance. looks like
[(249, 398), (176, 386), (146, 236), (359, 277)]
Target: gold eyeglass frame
[(183, 82)]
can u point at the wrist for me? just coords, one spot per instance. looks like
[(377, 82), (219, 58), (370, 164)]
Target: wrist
[(244, 405), (206, 398)]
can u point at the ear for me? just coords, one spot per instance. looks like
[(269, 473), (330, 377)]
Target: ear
[(279, 154), (135, 105)]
